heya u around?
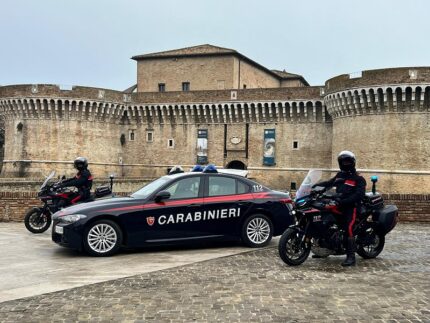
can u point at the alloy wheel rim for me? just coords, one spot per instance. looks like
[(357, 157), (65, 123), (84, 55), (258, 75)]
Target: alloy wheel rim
[(371, 248), (37, 221), (102, 238), (294, 247), (258, 230)]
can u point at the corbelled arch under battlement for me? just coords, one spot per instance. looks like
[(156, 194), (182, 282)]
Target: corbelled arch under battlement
[(393, 98), (227, 112)]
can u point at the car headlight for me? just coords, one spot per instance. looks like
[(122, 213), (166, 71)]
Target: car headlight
[(72, 218)]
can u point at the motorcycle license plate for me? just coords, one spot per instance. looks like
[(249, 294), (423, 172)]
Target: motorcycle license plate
[(58, 229), (317, 218)]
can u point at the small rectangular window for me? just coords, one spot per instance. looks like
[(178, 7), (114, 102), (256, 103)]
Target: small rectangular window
[(149, 136), (295, 144), (293, 186), (131, 135), (171, 143), (244, 86), (161, 87), (185, 86)]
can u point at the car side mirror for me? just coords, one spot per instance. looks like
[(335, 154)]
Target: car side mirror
[(163, 195)]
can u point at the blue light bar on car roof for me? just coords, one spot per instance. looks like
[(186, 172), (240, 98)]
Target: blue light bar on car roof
[(210, 169)]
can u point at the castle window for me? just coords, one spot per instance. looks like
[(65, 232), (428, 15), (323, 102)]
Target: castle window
[(149, 136), (293, 186), (131, 135), (244, 86), (171, 143), (19, 127), (295, 144), (185, 86), (161, 87)]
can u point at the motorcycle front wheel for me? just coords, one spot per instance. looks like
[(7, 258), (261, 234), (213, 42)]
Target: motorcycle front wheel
[(36, 221), (292, 248)]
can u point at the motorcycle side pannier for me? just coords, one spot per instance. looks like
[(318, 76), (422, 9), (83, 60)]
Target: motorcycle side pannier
[(387, 218), (102, 191)]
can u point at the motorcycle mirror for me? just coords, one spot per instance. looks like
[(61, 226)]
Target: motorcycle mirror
[(374, 179)]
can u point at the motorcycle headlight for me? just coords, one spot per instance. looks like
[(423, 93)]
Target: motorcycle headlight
[(72, 218)]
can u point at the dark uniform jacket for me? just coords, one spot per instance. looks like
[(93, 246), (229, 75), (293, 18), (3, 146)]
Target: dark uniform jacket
[(83, 181), (350, 186)]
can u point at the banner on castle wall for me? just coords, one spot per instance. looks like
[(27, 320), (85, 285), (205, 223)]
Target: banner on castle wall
[(202, 146), (269, 147)]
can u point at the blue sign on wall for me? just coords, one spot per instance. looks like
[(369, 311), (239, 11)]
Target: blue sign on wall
[(202, 146), (269, 147)]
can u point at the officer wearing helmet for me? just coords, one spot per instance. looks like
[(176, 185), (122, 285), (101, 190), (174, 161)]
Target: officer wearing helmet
[(83, 180), (351, 188)]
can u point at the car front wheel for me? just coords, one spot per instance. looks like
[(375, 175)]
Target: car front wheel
[(102, 238), (257, 231)]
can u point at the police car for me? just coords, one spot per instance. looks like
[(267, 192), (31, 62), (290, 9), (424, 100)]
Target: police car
[(181, 207)]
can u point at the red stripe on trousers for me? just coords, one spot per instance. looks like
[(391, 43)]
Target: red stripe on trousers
[(77, 198), (352, 223)]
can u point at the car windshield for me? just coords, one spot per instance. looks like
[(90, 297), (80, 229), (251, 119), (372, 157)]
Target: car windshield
[(313, 177), (148, 189)]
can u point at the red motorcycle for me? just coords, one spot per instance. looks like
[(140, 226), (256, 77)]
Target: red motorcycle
[(38, 219), (317, 227)]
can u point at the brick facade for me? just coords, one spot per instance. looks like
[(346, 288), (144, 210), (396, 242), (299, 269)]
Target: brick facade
[(412, 208)]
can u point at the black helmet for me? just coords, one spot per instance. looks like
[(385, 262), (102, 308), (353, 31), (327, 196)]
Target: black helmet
[(346, 160), (80, 163), (176, 170)]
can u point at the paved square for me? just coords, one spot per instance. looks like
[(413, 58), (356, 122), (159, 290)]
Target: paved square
[(255, 286)]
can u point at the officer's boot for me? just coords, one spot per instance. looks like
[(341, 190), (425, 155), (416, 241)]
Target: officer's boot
[(350, 252)]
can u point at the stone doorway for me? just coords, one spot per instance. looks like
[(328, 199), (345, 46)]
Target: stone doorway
[(236, 164)]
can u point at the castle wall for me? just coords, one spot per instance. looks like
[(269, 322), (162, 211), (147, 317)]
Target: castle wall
[(91, 122)]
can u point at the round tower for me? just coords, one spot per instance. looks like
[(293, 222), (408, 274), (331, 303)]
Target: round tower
[(383, 116), (47, 128)]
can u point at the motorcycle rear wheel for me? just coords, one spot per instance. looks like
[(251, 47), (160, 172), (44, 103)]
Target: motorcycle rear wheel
[(292, 250), (372, 250), (37, 222)]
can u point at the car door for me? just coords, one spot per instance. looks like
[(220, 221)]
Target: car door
[(176, 218), (226, 201)]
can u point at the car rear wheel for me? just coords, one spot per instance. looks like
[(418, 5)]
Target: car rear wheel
[(102, 238), (257, 231)]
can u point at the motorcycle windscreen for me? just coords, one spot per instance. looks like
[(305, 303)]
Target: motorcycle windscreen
[(47, 179), (313, 177)]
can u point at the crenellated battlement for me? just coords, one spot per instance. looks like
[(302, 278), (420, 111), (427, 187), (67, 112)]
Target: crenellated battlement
[(224, 106), (379, 99)]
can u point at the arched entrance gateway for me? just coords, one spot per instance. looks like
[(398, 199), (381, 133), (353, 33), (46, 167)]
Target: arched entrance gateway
[(236, 164)]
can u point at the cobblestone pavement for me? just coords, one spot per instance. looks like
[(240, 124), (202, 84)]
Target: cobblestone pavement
[(256, 286)]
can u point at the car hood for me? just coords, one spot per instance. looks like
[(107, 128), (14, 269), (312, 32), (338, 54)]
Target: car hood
[(103, 203)]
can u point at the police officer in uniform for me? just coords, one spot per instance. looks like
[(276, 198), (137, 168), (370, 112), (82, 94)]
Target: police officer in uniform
[(351, 188), (83, 180)]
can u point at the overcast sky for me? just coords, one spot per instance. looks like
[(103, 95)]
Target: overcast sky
[(90, 42)]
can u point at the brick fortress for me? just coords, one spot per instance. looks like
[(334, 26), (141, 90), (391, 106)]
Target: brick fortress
[(246, 115)]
